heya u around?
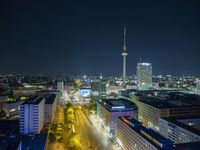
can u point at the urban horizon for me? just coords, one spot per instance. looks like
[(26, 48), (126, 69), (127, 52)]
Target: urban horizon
[(100, 75)]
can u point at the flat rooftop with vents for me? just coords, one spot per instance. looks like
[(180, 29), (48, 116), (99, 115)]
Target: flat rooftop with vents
[(117, 104)]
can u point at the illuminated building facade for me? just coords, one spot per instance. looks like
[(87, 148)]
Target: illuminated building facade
[(60, 86), (85, 92), (181, 129), (144, 76), (110, 109), (49, 108), (98, 89), (151, 109), (32, 115), (132, 135)]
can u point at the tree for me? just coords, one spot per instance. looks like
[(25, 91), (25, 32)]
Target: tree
[(70, 111), (74, 142)]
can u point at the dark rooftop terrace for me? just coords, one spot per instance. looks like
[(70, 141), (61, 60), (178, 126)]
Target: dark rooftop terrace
[(50, 99), (33, 100), (172, 100)]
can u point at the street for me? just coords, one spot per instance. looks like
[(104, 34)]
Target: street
[(59, 118), (91, 137)]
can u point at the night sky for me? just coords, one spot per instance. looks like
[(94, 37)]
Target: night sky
[(86, 36)]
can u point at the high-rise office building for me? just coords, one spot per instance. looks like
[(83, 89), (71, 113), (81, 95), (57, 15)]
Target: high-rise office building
[(98, 89), (32, 115), (144, 76), (60, 86)]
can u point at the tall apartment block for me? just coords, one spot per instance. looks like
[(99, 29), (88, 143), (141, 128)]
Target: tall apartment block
[(49, 108), (32, 115)]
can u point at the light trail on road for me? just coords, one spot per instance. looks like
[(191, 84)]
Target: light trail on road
[(91, 139)]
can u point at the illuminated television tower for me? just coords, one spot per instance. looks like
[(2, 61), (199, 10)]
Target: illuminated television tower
[(124, 54)]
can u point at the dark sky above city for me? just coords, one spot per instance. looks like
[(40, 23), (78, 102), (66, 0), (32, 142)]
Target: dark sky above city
[(86, 36)]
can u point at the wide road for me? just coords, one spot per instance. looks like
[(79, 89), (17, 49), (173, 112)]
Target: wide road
[(91, 139), (59, 118)]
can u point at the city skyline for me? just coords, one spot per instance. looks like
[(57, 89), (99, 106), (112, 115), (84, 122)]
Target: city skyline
[(100, 75), (87, 37)]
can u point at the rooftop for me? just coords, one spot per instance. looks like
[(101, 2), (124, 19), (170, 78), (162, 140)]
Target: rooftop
[(9, 130), (35, 142), (9, 127), (33, 100), (172, 100), (187, 146), (117, 104), (50, 99)]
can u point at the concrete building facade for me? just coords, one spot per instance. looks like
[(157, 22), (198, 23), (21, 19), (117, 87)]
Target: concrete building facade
[(180, 130), (110, 109), (131, 135), (151, 109), (49, 108), (32, 115)]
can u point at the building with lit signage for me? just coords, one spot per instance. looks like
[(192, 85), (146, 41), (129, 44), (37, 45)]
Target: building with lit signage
[(132, 135), (110, 109), (32, 115), (151, 109), (85, 92), (144, 76), (181, 129)]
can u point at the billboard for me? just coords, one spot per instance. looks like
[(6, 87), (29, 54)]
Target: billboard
[(85, 92)]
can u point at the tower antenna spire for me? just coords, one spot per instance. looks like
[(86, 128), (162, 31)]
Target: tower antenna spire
[(124, 48)]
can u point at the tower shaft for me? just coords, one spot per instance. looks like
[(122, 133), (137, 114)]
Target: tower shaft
[(124, 54)]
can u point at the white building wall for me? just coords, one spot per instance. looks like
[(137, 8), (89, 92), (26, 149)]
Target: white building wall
[(40, 115), (131, 140), (31, 118), (176, 133), (49, 112)]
